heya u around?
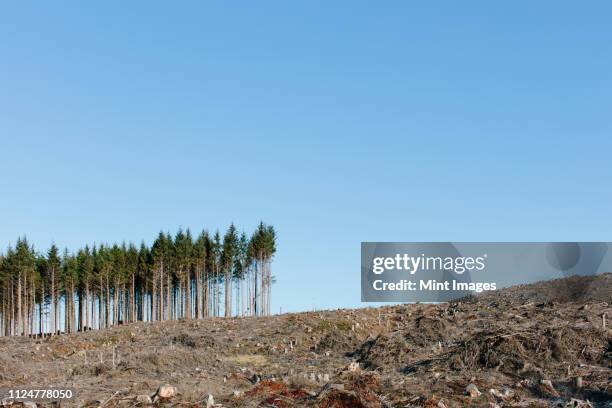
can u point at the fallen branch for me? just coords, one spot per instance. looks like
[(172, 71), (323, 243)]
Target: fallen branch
[(109, 400)]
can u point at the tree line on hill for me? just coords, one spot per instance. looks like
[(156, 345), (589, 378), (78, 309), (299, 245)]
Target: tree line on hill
[(177, 277)]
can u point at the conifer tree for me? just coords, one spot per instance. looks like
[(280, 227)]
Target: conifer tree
[(103, 285)]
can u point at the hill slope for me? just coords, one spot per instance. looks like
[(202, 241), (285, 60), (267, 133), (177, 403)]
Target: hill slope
[(523, 346)]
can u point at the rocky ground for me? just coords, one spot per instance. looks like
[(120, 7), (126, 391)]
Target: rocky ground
[(537, 345)]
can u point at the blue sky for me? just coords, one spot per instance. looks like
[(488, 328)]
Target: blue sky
[(338, 123)]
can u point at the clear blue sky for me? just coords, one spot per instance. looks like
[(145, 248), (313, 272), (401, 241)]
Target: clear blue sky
[(336, 123)]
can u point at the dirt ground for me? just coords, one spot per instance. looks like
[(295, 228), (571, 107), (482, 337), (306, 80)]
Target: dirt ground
[(541, 345)]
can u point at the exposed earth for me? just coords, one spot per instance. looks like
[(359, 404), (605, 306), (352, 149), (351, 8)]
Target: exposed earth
[(541, 345)]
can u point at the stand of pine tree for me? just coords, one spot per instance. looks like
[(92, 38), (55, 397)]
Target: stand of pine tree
[(178, 277)]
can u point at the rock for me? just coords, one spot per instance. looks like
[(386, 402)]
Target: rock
[(497, 394), (210, 403), (29, 404), (353, 367), (237, 393), (572, 403), (144, 399), (6, 402), (166, 391), (472, 391)]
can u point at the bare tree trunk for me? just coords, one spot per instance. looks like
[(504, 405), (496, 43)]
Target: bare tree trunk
[(248, 291), (73, 324), (53, 306), (107, 303), (219, 292), (242, 292), (25, 308), (33, 307), (116, 303), (254, 290), (41, 310), (19, 304), (154, 300), (133, 300), (100, 300), (145, 302), (125, 309), (206, 292), (269, 283), (4, 312), (96, 322), (188, 295), (198, 289), (87, 322), (169, 297), (12, 309), (162, 315), (228, 306), (66, 309)]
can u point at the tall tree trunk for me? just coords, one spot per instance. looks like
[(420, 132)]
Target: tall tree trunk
[(53, 306), (66, 309), (41, 309), (100, 300), (25, 308), (19, 304), (153, 300), (133, 316), (206, 292), (73, 316), (169, 297), (107, 303), (242, 293), (33, 307), (4, 312), (198, 294), (218, 314), (227, 306), (162, 315), (87, 322), (188, 295), (12, 309), (145, 305), (96, 311), (125, 311), (116, 303), (254, 297), (81, 313)]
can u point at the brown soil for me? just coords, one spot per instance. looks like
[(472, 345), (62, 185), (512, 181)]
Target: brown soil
[(507, 343)]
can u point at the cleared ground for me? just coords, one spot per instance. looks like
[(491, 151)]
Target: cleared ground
[(533, 345)]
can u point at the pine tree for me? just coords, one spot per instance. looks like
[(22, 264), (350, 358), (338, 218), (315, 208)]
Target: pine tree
[(175, 278), (86, 265), (230, 243), (53, 268)]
